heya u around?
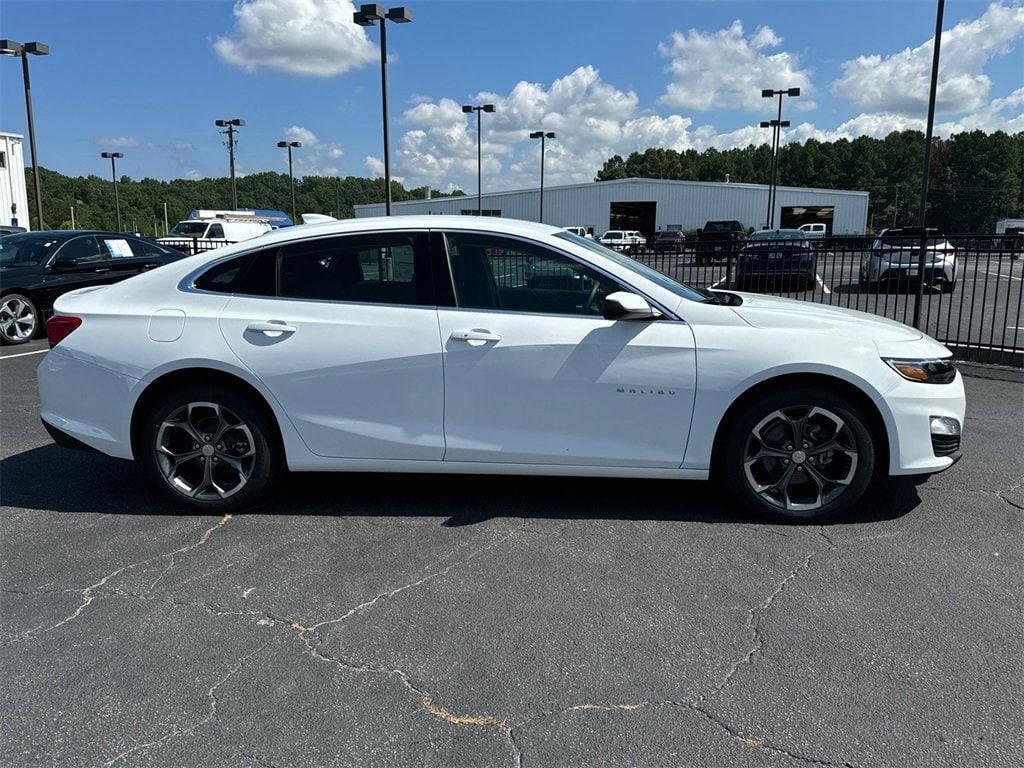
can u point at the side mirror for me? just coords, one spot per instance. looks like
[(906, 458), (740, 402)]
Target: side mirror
[(623, 305), (65, 264)]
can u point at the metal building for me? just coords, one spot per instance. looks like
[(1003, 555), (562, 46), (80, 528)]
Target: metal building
[(13, 195), (649, 205)]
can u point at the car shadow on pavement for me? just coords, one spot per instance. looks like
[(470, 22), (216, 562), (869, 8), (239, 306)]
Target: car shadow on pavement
[(56, 479)]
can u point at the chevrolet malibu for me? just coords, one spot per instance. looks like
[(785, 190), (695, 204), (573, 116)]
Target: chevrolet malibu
[(456, 345)]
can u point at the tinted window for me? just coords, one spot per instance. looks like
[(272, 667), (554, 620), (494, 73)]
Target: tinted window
[(26, 250), (379, 269), (225, 277), (84, 249), (147, 250), (216, 230), (502, 273)]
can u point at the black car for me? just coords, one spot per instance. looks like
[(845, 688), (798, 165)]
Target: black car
[(37, 267), (669, 241), (777, 258), (719, 240)]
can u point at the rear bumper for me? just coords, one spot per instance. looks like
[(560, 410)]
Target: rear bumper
[(64, 440)]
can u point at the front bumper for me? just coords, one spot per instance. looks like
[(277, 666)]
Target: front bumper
[(913, 448)]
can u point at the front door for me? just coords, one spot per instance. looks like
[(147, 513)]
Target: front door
[(346, 338), (534, 374)]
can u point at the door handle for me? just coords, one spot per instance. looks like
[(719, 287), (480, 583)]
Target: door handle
[(270, 328), (475, 334)]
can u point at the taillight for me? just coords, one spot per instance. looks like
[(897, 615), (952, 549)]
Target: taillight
[(59, 326)]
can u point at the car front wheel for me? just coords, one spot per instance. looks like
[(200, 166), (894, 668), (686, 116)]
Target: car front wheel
[(803, 455), (211, 449), (19, 319)]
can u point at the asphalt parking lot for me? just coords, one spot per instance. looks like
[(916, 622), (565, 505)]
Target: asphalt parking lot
[(370, 620)]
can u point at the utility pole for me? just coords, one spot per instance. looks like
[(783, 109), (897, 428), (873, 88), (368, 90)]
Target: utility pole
[(777, 125), (543, 136), (231, 125), (113, 173), (468, 109), (166, 228)]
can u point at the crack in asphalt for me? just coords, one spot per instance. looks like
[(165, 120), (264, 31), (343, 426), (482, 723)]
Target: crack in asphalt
[(211, 714), (88, 592)]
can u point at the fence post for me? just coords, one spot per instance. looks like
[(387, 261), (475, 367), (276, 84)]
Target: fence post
[(195, 246)]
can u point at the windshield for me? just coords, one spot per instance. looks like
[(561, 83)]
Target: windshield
[(723, 226), (679, 289), (188, 229), (25, 250), (910, 240), (777, 234)]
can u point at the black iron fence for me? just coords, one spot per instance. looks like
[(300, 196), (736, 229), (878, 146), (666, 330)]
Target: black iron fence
[(971, 287), (193, 245)]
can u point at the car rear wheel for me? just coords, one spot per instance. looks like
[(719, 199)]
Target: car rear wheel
[(803, 455), (211, 449), (19, 319)]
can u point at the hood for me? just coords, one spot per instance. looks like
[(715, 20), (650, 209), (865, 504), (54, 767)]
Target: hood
[(770, 312)]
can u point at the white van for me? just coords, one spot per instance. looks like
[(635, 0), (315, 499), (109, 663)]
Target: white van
[(204, 234), (580, 231)]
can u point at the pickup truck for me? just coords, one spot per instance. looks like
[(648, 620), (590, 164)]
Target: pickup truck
[(719, 239)]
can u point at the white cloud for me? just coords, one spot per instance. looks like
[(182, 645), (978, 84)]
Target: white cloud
[(116, 141), (195, 175), (313, 158), (303, 135), (592, 118), (299, 37), (899, 83), (725, 69)]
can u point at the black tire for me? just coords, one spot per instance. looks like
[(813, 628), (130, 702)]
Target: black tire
[(261, 471), (739, 446), (948, 286), (19, 319)]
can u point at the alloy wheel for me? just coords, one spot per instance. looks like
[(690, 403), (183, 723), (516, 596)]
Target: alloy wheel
[(205, 451), (17, 319), (800, 459)]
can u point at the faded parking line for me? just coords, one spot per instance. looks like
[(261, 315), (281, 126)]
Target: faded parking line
[(24, 354)]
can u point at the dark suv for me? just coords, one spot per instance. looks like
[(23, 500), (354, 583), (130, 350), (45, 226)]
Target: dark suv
[(719, 239)]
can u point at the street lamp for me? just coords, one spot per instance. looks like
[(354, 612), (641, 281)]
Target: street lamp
[(291, 177), (113, 172), (231, 125), (777, 125), (469, 109), (367, 16), (12, 48), (543, 138)]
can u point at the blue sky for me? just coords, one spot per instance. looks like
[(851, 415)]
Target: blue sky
[(149, 78)]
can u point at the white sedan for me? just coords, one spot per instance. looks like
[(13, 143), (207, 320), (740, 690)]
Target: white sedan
[(460, 345)]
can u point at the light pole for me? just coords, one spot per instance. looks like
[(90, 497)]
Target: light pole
[(291, 177), (469, 109), (776, 126), (367, 16), (12, 48), (921, 214), (231, 125), (543, 138), (113, 172), (769, 93)]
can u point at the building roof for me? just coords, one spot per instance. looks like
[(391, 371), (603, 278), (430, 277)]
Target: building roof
[(587, 185)]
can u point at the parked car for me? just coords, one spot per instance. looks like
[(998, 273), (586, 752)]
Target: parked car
[(37, 267), (195, 235), (318, 349), (894, 259), (581, 231), (815, 230), (669, 241), (623, 239), (719, 240), (777, 258)]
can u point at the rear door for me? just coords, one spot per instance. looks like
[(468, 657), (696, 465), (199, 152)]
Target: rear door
[(78, 263), (343, 331), (534, 374)]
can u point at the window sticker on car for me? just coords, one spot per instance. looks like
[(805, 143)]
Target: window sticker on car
[(119, 249)]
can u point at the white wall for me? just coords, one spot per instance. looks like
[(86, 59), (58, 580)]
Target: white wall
[(684, 203), (12, 181)]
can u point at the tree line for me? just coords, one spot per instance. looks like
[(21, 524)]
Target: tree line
[(976, 178), (142, 201)]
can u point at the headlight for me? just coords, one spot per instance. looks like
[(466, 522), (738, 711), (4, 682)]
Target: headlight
[(933, 371)]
